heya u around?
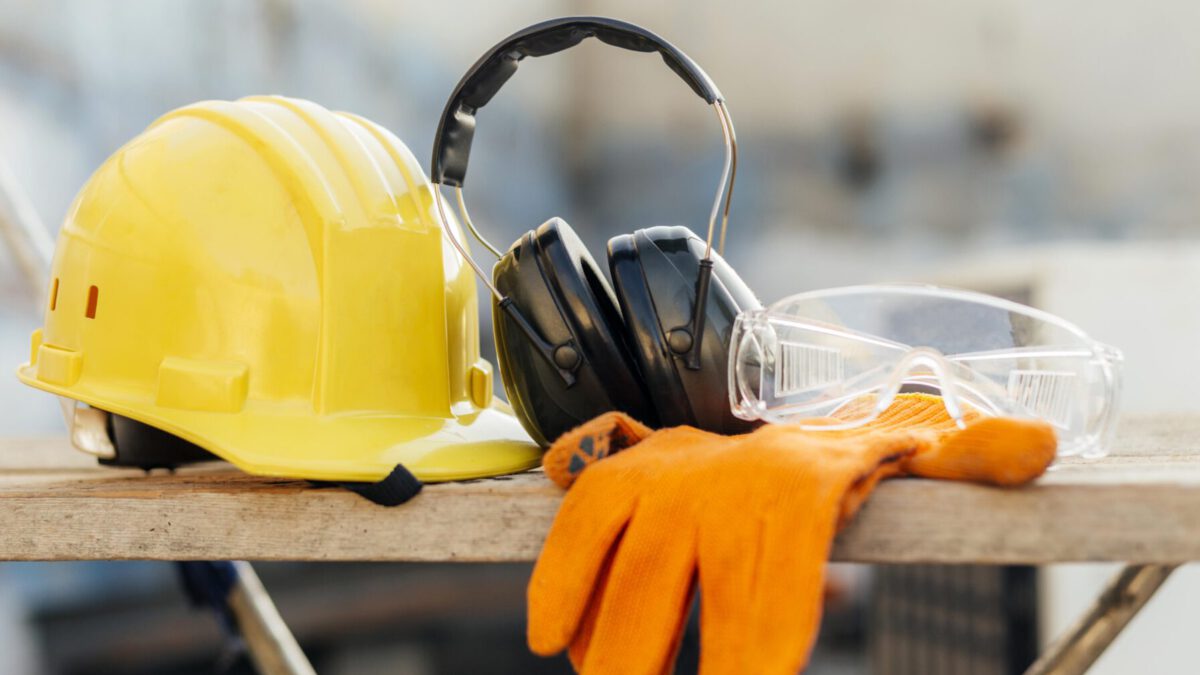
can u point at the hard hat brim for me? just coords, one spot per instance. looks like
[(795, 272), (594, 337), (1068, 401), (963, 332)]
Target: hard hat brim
[(286, 441)]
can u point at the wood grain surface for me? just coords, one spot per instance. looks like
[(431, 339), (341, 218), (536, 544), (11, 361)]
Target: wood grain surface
[(1140, 504)]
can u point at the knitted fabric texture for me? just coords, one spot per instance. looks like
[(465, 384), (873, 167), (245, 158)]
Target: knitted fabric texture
[(749, 519)]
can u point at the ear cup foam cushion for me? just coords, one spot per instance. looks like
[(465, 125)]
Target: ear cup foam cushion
[(654, 276), (561, 291)]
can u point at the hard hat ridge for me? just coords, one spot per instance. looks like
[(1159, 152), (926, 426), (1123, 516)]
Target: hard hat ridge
[(271, 285)]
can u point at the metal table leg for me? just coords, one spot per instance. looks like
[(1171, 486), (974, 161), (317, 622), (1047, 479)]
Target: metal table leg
[(268, 641), (1126, 594)]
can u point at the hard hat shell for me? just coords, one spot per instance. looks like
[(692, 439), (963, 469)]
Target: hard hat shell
[(267, 279)]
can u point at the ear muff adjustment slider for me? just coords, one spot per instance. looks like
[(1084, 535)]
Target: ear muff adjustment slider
[(699, 312), (564, 358)]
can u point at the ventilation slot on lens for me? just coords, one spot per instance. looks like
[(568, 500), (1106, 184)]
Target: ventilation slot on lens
[(802, 367), (1043, 392)]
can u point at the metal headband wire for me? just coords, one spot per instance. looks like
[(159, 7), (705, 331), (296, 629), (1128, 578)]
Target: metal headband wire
[(729, 175), (725, 187), (458, 245), (732, 176), (462, 209), (696, 328), (726, 178)]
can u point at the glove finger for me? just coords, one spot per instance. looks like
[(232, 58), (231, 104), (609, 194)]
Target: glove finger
[(729, 560), (769, 624), (997, 450), (587, 625), (588, 524), (583, 637), (646, 598)]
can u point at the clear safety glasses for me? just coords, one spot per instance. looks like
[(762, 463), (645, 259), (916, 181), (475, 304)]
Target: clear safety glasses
[(847, 352)]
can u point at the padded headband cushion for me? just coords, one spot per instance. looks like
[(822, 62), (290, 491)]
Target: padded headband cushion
[(559, 288), (654, 274)]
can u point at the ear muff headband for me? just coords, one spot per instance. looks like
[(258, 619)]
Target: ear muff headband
[(456, 130)]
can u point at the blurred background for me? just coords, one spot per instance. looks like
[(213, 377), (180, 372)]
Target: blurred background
[(1049, 152)]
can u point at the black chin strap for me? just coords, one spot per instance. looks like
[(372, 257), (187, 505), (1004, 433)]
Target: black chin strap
[(399, 487)]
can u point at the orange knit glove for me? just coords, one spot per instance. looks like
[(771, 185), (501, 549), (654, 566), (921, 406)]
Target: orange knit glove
[(750, 518)]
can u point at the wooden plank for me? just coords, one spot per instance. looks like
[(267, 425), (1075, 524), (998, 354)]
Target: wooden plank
[(1142, 504), (43, 454)]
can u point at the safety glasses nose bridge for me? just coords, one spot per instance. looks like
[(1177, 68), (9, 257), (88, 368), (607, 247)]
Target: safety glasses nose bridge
[(924, 366)]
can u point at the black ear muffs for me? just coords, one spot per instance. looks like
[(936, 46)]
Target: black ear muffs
[(568, 348), (654, 274), (563, 294)]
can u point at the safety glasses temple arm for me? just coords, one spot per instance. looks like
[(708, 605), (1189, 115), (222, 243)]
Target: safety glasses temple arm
[(835, 331), (1030, 352)]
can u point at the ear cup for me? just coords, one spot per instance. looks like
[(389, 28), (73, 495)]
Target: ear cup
[(559, 289), (654, 275)]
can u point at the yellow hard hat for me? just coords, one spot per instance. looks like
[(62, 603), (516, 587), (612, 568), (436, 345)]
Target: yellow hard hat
[(267, 280)]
